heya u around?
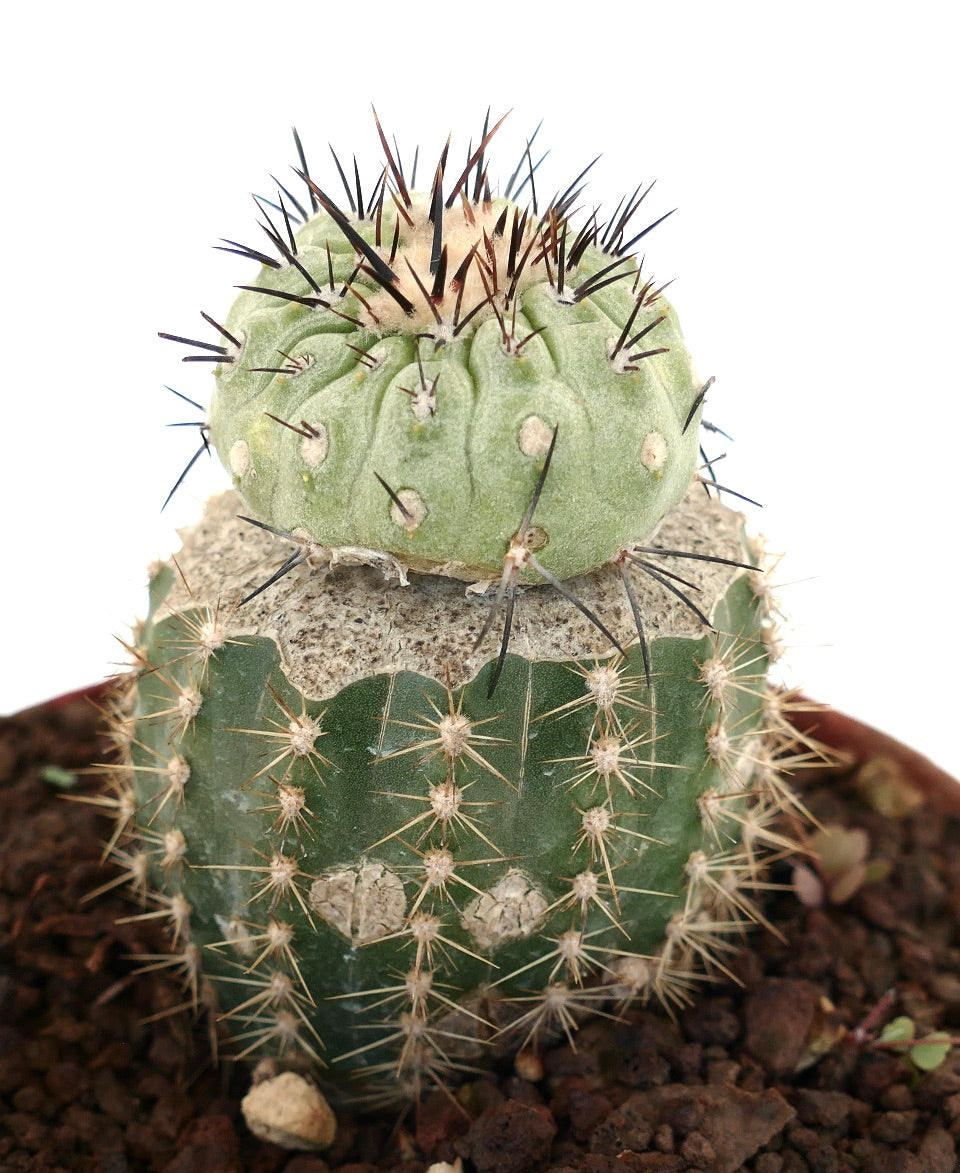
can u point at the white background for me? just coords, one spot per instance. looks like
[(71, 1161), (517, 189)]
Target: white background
[(810, 150)]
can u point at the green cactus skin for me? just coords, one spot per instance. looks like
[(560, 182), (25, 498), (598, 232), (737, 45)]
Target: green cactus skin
[(444, 378), (374, 869), (382, 854)]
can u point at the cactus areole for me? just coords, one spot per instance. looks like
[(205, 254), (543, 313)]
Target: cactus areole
[(387, 849)]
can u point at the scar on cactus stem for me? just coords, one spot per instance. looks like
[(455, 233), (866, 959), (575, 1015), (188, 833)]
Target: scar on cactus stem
[(387, 852)]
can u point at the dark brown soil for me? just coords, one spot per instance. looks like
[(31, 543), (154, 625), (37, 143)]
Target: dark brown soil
[(87, 1084)]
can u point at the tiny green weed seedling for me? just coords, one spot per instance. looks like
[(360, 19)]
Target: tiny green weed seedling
[(923, 1053)]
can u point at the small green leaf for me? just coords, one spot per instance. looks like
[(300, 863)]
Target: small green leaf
[(877, 869), (57, 776), (899, 1030), (930, 1052)]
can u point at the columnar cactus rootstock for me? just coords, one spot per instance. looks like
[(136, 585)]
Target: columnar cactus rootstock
[(386, 849)]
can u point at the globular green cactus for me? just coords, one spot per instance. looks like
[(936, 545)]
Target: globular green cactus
[(385, 850), (392, 381)]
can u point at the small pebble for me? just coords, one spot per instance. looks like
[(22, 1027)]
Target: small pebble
[(288, 1111)]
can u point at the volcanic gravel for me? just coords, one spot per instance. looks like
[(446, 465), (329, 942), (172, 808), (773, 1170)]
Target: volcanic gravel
[(100, 1071)]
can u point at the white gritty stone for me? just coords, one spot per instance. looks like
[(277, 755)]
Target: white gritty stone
[(288, 1111)]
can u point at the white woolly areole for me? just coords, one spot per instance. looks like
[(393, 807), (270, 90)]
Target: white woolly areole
[(237, 934), (603, 684), (240, 458), (534, 438), (313, 449), (423, 400), (653, 452), (414, 510)]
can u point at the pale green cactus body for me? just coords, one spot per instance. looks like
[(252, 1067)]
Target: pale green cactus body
[(457, 423), (383, 849)]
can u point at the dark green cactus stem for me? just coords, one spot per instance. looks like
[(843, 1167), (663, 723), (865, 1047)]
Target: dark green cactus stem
[(372, 866)]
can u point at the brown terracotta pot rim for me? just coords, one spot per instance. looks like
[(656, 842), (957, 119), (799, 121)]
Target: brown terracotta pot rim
[(862, 742)]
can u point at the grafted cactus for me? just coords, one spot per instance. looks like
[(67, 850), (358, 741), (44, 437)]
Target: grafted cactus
[(386, 849)]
